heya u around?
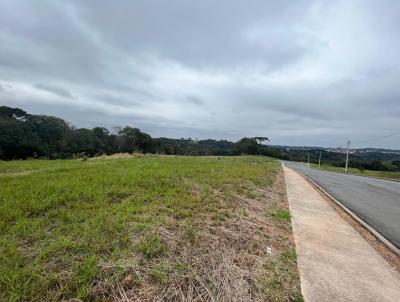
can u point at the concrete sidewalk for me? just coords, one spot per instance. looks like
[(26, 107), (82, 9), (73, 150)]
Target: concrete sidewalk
[(335, 262)]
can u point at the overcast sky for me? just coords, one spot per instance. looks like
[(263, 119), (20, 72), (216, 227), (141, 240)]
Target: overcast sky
[(299, 72)]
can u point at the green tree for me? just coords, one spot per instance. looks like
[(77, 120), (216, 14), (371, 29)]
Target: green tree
[(133, 140), (50, 135), (12, 113), (247, 146)]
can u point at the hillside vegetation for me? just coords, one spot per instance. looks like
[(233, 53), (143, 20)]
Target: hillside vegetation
[(146, 228)]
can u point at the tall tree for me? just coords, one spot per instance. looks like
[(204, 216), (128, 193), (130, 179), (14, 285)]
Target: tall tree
[(261, 139), (133, 140), (247, 146)]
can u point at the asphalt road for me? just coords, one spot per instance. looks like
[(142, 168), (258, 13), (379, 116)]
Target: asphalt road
[(375, 201)]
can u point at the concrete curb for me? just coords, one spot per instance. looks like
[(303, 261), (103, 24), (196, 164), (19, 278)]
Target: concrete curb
[(354, 216)]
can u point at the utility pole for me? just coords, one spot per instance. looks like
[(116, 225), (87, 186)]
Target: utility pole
[(347, 157), (319, 160), (308, 160)]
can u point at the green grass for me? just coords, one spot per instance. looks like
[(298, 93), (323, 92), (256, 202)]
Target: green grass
[(152, 246), (369, 173), (282, 215), (70, 226)]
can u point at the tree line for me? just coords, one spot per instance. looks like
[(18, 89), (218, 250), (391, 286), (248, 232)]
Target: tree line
[(24, 135)]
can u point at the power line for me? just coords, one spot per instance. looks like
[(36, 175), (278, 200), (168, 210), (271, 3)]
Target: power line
[(376, 138), (344, 145), (348, 148)]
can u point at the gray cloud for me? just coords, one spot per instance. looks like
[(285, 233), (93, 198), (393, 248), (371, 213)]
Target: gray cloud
[(203, 33), (300, 72), (62, 92), (195, 100)]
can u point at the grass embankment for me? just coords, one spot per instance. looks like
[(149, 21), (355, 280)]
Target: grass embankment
[(147, 228), (369, 173)]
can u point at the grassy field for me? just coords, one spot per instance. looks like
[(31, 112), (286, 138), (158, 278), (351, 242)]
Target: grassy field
[(146, 228), (379, 174)]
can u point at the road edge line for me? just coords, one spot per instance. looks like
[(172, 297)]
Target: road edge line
[(374, 232)]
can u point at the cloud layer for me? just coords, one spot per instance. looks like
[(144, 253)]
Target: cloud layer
[(300, 72)]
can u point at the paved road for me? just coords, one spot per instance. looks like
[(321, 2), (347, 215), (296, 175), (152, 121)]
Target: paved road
[(375, 201)]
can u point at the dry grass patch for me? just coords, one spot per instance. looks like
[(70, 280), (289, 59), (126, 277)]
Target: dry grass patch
[(240, 251)]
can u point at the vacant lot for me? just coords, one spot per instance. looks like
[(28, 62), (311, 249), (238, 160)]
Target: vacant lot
[(146, 228), (381, 174)]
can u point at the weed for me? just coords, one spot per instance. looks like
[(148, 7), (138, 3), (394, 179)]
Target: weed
[(282, 215), (252, 194), (290, 254), (243, 212), (159, 273), (189, 234), (152, 246), (87, 273)]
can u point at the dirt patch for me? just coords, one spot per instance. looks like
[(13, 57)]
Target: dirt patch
[(22, 173), (238, 251), (120, 155)]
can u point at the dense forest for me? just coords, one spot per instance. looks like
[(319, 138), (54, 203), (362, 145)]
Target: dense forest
[(24, 135)]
